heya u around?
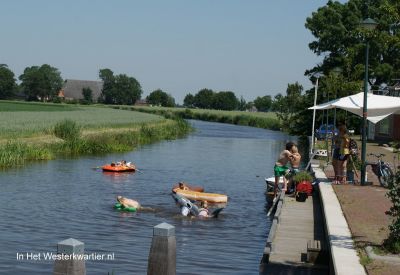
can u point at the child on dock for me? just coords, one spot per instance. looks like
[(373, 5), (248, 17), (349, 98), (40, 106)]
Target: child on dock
[(280, 168)]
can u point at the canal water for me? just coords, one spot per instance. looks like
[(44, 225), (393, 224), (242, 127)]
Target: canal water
[(46, 202)]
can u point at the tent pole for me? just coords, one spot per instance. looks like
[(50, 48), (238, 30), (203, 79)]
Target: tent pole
[(313, 122)]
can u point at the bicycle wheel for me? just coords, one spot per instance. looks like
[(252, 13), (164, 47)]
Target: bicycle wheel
[(387, 173)]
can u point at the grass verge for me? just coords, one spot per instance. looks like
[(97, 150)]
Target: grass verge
[(259, 120)]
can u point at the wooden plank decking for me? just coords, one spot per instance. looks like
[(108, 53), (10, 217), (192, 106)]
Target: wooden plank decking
[(299, 222)]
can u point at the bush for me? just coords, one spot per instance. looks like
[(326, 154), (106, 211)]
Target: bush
[(392, 243), (67, 130), (302, 176)]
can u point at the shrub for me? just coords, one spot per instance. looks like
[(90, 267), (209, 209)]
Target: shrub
[(392, 243), (67, 130), (302, 176)]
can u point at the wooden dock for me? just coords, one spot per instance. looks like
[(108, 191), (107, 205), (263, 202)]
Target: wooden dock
[(298, 229)]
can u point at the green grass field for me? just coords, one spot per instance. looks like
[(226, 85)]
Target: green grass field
[(253, 119), (216, 112), (20, 119)]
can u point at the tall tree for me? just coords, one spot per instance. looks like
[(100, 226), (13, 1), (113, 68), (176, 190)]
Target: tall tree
[(42, 82), (160, 98), (119, 89), (188, 101), (7, 82), (87, 94), (264, 103), (242, 104), (204, 99), (225, 100), (339, 38), (287, 107)]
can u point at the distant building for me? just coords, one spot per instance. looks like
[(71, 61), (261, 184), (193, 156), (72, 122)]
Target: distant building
[(72, 89), (141, 102)]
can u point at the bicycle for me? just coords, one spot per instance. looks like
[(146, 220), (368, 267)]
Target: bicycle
[(381, 169)]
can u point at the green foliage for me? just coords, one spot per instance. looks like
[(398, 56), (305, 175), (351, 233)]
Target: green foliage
[(392, 243), (119, 89), (7, 82), (259, 120), (287, 107), (41, 83), (121, 141), (204, 99), (67, 130), (339, 38), (189, 101), (160, 98), (27, 119), (302, 176), (263, 104), (225, 100), (242, 104), (17, 153), (87, 94)]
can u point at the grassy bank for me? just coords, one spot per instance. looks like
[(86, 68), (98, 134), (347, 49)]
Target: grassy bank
[(19, 119), (27, 131), (259, 119)]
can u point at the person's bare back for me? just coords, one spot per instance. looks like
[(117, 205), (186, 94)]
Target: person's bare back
[(128, 202)]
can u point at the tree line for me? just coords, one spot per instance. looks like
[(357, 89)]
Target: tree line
[(44, 83)]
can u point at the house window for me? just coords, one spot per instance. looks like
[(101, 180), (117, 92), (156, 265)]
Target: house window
[(384, 126)]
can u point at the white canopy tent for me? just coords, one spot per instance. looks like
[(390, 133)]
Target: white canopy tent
[(379, 106)]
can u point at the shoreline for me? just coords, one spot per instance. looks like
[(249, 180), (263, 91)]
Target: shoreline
[(20, 151)]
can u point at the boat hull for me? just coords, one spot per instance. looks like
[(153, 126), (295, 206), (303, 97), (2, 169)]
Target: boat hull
[(118, 169)]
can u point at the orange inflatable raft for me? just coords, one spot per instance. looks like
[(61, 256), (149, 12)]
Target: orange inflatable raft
[(201, 196), (118, 168)]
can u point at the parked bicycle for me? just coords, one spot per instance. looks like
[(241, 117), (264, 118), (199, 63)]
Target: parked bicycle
[(381, 169)]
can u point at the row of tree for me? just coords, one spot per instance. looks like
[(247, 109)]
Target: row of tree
[(44, 82)]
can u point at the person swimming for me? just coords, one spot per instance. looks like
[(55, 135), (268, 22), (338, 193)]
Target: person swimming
[(203, 211), (125, 202)]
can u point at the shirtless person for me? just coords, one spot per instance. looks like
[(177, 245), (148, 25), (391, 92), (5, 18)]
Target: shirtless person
[(295, 160), (295, 165), (280, 168), (125, 202)]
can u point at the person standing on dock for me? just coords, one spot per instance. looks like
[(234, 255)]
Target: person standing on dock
[(280, 168)]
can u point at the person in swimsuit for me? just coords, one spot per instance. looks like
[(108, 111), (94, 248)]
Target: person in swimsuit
[(344, 153), (280, 168), (295, 165)]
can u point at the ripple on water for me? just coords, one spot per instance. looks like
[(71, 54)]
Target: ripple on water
[(47, 202)]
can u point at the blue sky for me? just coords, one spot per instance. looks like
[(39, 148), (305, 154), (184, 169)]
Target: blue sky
[(252, 48)]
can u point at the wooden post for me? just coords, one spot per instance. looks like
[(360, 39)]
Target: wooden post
[(69, 249), (162, 256)]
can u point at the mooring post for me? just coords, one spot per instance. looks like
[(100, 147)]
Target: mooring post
[(68, 261), (162, 256)]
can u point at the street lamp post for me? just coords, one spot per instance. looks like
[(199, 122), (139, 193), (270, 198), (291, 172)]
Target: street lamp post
[(368, 24)]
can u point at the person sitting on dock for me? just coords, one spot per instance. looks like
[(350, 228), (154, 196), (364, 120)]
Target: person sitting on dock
[(280, 168), (203, 211)]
